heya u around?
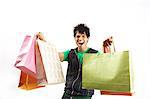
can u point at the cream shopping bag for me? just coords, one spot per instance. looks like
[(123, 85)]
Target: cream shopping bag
[(51, 61)]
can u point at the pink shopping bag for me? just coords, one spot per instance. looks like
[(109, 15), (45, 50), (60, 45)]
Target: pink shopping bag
[(28, 82), (26, 58), (40, 70)]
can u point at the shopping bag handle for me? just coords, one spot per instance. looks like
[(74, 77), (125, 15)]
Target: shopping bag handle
[(113, 45)]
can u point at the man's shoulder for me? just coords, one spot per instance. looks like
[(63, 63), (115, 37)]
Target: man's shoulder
[(91, 50)]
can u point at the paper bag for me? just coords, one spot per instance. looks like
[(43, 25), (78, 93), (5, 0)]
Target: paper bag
[(28, 82), (51, 61), (108, 72), (26, 58), (40, 70)]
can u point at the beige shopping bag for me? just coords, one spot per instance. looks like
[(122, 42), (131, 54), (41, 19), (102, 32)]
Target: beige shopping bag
[(51, 61)]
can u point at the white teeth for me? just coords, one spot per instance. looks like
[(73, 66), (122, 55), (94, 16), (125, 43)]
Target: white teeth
[(81, 43)]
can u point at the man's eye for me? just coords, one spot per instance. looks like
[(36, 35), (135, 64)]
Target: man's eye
[(78, 36), (83, 36)]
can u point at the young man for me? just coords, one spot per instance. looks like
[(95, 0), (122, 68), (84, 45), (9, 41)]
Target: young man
[(73, 85)]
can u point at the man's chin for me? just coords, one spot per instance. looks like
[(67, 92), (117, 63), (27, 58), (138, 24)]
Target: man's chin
[(80, 45)]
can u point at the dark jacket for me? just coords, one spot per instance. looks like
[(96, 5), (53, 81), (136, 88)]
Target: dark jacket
[(73, 84)]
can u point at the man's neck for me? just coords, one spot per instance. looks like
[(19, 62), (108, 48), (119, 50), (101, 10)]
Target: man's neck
[(82, 49)]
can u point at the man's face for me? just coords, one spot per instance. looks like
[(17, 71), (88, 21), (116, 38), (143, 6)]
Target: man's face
[(81, 39)]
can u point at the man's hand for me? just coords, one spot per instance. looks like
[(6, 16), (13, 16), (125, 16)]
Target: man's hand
[(40, 36), (106, 45), (61, 56)]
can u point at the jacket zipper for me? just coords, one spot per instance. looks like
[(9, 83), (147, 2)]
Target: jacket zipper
[(77, 75)]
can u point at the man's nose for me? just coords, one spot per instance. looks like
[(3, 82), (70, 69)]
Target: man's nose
[(80, 38)]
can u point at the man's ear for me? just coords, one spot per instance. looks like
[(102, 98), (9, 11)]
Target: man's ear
[(88, 39)]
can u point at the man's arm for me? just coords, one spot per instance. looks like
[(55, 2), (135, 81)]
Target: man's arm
[(61, 56)]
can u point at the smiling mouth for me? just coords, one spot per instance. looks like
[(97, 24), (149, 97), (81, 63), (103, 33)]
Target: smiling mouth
[(81, 43)]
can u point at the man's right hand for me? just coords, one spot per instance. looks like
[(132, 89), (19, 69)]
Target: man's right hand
[(106, 45), (41, 36)]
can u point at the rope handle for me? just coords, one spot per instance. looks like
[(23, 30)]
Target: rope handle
[(113, 45)]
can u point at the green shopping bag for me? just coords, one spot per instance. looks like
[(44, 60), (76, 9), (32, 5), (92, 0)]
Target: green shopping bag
[(108, 71)]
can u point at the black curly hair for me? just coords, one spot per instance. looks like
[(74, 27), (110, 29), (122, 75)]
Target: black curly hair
[(82, 28)]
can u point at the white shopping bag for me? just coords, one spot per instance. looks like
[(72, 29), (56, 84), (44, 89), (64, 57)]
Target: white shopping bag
[(51, 61)]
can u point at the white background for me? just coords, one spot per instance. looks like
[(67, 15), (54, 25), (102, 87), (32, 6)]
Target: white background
[(128, 21)]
